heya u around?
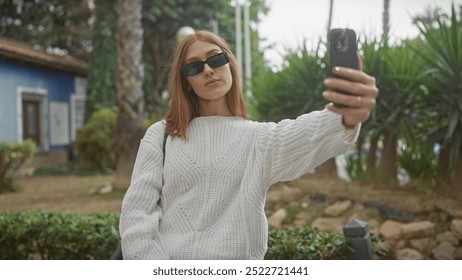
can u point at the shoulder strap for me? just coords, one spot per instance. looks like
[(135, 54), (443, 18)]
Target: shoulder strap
[(163, 147)]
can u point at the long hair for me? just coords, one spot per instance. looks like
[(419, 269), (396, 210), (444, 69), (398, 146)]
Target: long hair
[(184, 104)]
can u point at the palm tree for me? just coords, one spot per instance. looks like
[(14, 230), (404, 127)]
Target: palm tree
[(443, 76), (130, 98), (386, 19), (331, 8)]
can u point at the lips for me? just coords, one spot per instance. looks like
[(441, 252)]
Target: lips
[(209, 82)]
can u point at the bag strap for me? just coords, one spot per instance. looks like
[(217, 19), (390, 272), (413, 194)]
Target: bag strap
[(163, 153), (163, 147)]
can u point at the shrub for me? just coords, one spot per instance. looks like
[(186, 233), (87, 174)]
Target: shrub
[(304, 243), (57, 236), (94, 141), (12, 156), (62, 236), (294, 90)]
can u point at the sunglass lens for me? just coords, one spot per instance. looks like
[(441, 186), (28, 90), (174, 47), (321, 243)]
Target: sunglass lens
[(218, 60), (194, 68), (214, 61)]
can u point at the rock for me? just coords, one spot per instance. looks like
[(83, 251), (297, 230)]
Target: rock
[(448, 237), (409, 254), (458, 254), (444, 251), (374, 226), (365, 214), (391, 230), (418, 229), (423, 244), (277, 217), (106, 189), (456, 228), (283, 194), (338, 208), (303, 217), (329, 224)]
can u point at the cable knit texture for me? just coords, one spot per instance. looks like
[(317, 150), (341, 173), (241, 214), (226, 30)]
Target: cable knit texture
[(211, 205)]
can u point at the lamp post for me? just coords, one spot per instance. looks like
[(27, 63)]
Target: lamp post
[(247, 69), (238, 20), (248, 59)]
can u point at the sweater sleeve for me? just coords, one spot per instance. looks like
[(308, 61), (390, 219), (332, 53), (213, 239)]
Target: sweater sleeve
[(292, 148), (140, 215)]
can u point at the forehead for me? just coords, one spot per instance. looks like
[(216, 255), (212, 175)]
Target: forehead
[(201, 49)]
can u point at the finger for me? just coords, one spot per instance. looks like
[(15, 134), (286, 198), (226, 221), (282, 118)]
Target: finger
[(352, 101), (353, 75), (351, 116), (360, 62), (351, 87)]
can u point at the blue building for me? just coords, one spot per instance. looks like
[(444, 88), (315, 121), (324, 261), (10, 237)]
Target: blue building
[(42, 96)]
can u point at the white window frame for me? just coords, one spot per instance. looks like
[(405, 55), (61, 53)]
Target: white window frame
[(42, 95), (74, 99)]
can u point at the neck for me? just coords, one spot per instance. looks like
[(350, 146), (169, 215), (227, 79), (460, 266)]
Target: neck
[(214, 108)]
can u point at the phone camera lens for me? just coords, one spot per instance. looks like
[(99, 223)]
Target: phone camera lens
[(342, 43)]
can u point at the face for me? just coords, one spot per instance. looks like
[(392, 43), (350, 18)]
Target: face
[(212, 84)]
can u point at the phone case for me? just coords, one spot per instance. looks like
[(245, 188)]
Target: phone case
[(343, 50)]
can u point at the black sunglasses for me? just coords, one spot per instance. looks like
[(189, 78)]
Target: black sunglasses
[(197, 67)]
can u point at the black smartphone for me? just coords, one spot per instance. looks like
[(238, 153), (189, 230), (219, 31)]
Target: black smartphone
[(343, 50)]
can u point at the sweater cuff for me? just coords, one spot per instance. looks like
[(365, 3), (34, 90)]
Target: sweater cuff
[(350, 136)]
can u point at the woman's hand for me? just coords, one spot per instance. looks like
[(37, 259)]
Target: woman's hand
[(363, 98)]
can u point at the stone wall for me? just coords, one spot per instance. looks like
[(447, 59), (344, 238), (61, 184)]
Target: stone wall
[(432, 236)]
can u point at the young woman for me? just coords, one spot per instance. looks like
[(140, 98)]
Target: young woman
[(206, 201)]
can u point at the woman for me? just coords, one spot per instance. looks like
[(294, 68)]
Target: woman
[(206, 201)]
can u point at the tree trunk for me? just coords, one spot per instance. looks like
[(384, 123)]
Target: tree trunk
[(130, 98), (388, 167), (359, 165), (444, 172), (456, 182), (371, 155), (386, 19), (331, 9)]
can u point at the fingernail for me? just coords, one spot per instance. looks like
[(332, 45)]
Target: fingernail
[(327, 81), (337, 69)]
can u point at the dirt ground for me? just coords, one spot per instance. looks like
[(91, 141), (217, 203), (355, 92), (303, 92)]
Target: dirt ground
[(79, 194), (71, 194)]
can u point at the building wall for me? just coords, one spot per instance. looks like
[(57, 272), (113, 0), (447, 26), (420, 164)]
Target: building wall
[(59, 89)]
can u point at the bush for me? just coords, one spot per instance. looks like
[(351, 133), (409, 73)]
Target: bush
[(57, 236), (94, 141), (294, 90), (304, 243), (12, 156), (61, 236)]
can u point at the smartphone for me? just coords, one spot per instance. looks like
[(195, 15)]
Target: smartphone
[(343, 50)]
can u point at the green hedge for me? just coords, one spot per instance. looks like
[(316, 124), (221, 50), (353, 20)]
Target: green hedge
[(305, 243), (12, 157), (62, 236), (57, 236), (94, 141)]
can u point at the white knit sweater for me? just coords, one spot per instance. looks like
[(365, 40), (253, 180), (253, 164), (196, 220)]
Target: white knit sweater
[(211, 205)]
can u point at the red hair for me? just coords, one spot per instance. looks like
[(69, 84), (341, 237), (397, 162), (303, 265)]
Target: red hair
[(185, 106)]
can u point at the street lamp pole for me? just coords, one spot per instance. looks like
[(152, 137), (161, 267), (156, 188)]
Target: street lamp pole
[(247, 69), (239, 39), (248, 57)]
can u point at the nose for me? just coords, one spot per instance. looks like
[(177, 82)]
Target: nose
[(207, 69)]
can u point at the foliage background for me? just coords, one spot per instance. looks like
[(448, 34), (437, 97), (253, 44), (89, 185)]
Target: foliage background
[(419, 78)]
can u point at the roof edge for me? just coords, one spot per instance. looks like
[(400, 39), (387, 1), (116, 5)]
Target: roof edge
[(19, 51)]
